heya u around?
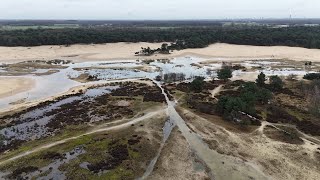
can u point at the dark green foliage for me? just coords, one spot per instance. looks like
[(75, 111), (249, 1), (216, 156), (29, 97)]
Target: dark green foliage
[(261, 79), (197, 84), (164, 48), (312, 76), (250, 95), (229, 104), (225, 73), (190, 37), (147, 51), (263, 95), (276, 83), (1, 140)]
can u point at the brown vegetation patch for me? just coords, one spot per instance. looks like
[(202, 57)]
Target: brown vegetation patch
[(217, 120), (30, 67), (149, 93), (277, 114), (118, 154), (286, 135)]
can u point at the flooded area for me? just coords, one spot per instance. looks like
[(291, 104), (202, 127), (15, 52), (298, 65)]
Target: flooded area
[(33, 124), (111, 94), (61, 81)]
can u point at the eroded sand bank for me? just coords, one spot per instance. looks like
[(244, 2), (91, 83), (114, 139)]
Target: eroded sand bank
[(113, 51)]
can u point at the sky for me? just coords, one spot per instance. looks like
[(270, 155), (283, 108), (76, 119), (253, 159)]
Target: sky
[(157, 9)]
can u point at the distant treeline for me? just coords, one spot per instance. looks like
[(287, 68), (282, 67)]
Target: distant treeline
[(194, 37)]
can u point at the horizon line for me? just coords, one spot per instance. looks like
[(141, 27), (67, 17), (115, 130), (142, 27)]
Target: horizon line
[(204, 19)]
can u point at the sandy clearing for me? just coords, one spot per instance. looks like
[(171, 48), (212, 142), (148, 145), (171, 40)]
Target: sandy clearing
[(10, 86), (278, 160), (114, 51), (79, 53)]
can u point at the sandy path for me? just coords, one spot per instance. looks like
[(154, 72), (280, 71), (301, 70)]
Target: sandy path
[(10, 86), (117, 127), (276, 159), (113, 51), (216, 91), (177, 161), (233, 168)]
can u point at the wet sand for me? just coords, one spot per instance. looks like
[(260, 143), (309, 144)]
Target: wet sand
[(11, 86), (123, 51), (177, 161)]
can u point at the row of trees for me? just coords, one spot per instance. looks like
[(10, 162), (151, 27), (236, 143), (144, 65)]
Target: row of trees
[(165, 49), (275, 82), (172, 77), (190, 37)]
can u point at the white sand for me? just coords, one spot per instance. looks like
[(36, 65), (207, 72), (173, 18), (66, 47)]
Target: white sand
[(74, 52), (127, 50)]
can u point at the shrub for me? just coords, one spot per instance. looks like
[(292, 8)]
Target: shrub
[(261, 79), (263, 95), (225, 73), (312, 76), (276, 83), (197, 84)]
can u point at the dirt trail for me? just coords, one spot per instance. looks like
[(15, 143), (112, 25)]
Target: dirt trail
[(216, 91), (276, 159), (221, 166), (103, 129)]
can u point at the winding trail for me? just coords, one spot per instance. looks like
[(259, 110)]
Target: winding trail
[(221, 166), (103, 129)]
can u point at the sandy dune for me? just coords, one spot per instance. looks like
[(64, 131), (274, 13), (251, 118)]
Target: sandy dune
[(126, 51), (74, 52), (12, 85)]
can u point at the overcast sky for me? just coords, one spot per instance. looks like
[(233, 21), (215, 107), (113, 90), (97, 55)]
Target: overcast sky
[(157, 9)]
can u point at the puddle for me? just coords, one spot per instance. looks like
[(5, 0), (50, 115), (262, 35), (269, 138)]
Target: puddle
[(84, 165), (60, 82), (167, 128), (33, 124), (52, 170), (222, 167)]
